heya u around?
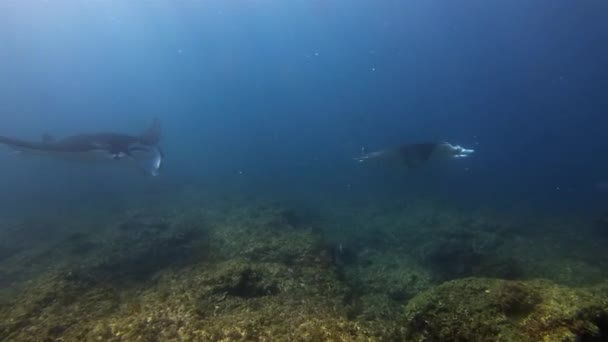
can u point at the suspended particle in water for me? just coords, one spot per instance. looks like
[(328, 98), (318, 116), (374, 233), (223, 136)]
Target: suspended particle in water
[(601, 186)]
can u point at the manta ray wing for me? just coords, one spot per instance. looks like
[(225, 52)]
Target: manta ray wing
[(142, 149), (147, 158)]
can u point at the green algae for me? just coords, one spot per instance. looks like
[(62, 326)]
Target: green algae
[(259, 272), (478, 309), (258, 278), (381, 282)]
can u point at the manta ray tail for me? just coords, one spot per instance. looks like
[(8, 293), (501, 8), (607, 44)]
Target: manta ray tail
[(152, 135)]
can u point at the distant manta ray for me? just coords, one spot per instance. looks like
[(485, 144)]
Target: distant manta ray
[(143, 150), (414, 155)]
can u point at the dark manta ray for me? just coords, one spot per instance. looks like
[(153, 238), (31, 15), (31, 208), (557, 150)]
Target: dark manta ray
[(143, 149), (414, 155)]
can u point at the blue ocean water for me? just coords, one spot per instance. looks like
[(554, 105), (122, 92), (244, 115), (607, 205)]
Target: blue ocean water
[(278, 97), (263, 223)]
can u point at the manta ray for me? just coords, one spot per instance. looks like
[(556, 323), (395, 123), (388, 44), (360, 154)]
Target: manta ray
[(143, 150), (415, 155)]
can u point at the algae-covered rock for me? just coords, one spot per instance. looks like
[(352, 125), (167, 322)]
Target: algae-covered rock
[(478, 309), (241, 271), (261, 279), (380, 282), (265, 235)]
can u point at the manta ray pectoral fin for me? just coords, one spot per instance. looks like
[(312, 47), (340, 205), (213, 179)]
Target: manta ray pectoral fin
[(363, 156), (446, 149), (464, 155), (119, 155), (147, 158), (153, 134), (462, 152), (13, 150), (100, 145)]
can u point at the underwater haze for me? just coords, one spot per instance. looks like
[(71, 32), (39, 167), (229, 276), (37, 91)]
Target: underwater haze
[(265, 106), (284, 94)]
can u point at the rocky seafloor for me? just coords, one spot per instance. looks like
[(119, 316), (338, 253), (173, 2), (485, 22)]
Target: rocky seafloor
[(243, 270)]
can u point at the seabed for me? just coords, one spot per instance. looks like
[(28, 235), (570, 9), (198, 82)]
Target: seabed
[(250, 270)]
